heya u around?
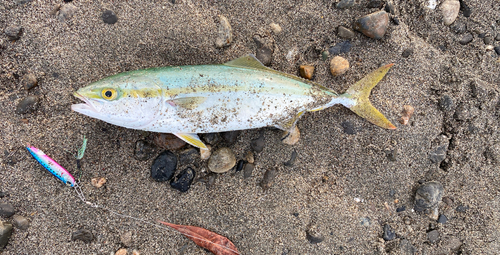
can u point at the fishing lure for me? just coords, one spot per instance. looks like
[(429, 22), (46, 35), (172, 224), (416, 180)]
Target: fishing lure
[(52, 166)]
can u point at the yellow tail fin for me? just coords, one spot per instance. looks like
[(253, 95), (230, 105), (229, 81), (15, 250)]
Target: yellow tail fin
[(360, 92)]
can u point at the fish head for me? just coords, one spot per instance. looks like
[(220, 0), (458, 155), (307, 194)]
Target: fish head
[(126, 101)]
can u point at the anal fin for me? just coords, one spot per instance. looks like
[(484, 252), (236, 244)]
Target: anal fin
[(192, 139)]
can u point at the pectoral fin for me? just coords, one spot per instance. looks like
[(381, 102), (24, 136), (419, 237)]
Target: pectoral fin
[(189, 103), (192, 139)]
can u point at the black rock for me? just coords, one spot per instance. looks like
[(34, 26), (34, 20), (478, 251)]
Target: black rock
[(109, 17), (27, 105), (5, 233), (268, 179), (291, 161), (344, 4), (344, 32), (462, 208), (466, 10), (189, 156), (433, 236), (407, 52), (375, 4), (459, 28), (488, 40), (248, 169), (258, 144), (230, 137), (497, 50), (428, 196), (442, 219), (6, 210), (211, 138), (389, 234), (30, 81), (164, 166), (144, 150), (446, 103), (481, 35), (395, 20), (82, 234), (466, 39), (2, 194), (348, 128), (389, 8), (240, 165), (13, 32), (264, 55), (339, 48), (401, 209), (183, 180)]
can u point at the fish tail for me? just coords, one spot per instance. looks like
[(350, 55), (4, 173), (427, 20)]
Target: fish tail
[(357, 98)]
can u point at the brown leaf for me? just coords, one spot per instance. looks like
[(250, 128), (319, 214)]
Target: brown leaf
[(217, 244)]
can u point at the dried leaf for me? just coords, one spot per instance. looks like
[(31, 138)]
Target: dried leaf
[(217, 244)]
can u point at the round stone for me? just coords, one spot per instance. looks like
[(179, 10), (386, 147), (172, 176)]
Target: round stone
[(373, 25), (338, 65), (222, 160), (449, 10)]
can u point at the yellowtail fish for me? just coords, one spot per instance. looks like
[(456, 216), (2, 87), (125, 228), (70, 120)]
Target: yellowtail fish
[(240, 94)]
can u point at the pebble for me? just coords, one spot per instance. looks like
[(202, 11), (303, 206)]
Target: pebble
[(222, 160), (291, 161), (348, 128), (449, 10), (497, 50), (407, 52), (98, 182), (448, 201), (211, 138), (365, 221), (497, 37), (27, 105), (268, 179), (401, 209), (275, 28), (265, 55), (395, 20), (462, 208), (306, 71), (258, 144), (109, 17), (83, 235), (338, 65), (230, 137), (13, 32), (344, 4), (488, 40), (459, 28), (6, 210), (466, 39), (66, 12), (121, 251), (439, 154), (325, 55), (407, 248), (183, 180), (345, 32), (313, 235), (144, 150), (3, 194), (446, 103), (375, 4), (433, 236), (392, 155), (55, 9), (30, 81), (164, 166), (135, 252), (21, 2), (442, 219), (248, 169), (189, 156), (205, 154), (225, 33), (466, 10), (339, 48), (5, 233), (408, 111), (389, 234), (428, 196), (291, 138), (373, 25), (240, 165), (389, 8), (126, 239), (249, 157), (168, 141)]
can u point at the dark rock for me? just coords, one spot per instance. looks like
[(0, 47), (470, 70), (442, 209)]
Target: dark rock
[(29, 81), (264, 55), (395, 20), (240, 165), (375, 4), (344, 32), (144, 150), (466, 39), (392, 193), (481, 35), (291, 161), (21, 2), (313, 235), (366, 221), (373, 25), (459, 28), (268, 179), (258, 144), (433, 236), (428, 196), (462, 208), (13, 32), (230, 137), (466, 10), (164, 166), (20, 222), (401, 209), (211, 138), (189, 156), (6, 210), (222, 160), (442, 219), (339, 48), (389, 8), (66, 12), (109, 17), (439, 154), (325, 55), (27, 105), (248, 169), (497, 50), (497, 37), (183, 180), (2, 194), (407, 52), (488, 40), (389, 234), (348, 127), (168, 141), (5, 233), (344, 4), (446, 103), (83, 235)]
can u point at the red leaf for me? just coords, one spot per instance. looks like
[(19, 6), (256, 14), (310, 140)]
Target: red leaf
[(217, 244)]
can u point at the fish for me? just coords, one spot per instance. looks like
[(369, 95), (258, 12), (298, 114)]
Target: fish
[(237, 95), (51, 165)]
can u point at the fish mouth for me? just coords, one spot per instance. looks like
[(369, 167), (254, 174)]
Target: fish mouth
[(87, 106)]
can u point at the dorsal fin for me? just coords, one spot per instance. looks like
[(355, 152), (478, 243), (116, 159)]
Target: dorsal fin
[(248, 61)]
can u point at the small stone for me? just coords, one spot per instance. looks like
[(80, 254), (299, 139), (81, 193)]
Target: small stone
[(240, 165), (258, 144), (433, 236), (451, 243), (446, 103), (3, 194), (27, 105), (225, 33), (497, 50), (205, 154), (248, 169), (407, 113), (325, 55), (344, 4), (392, 155), (136, 252), (348, 128), (121, 251), (264, 55), (439, 154), (488, 40), (21, 2), (222, 160), (306, 71), (211, 138), (168, 141), (98, 182), (313, 235), (6, 210), (291, 138), (395, 20), (182, 182), (448, 201), (375, 4), (466, 39), (407, 220), (29, 81), (497, 38), (275, 28), (126, 239), (459, 28), (466, 10), (407, 52), (55, 9), (109, 17), (249, 157), (66, 12), (5, 233), (339, 48), (164, 166), (428, 196), (144, 150), (338, 65), (291, 161), (389, 234), (365, 221), (442, 219), (389, 8), (344, 32), (189, 156), (83, 235), (401, 209), (449, 10), (462, 208), (268, 179), (373, 25), (20, 222), (230, 137), (13, 32)]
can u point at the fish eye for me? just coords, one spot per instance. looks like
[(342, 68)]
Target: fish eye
[(68, 183), (108, 94)]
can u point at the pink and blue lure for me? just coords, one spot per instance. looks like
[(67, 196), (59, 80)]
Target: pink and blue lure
[(52, 166)]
